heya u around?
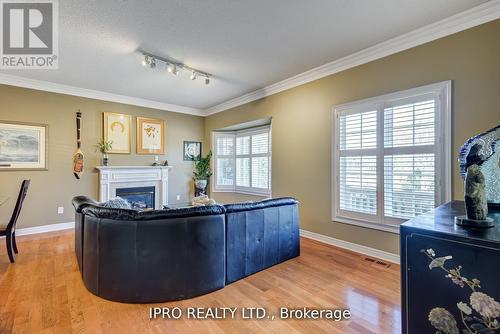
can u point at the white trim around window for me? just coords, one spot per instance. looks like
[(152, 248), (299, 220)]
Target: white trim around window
[(373, 150), (241, 161)]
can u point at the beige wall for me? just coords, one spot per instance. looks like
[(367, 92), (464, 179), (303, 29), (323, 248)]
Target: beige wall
[(302, 127), (55, 187)]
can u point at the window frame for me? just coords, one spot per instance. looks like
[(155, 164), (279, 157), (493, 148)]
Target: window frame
[(242, 133), (441, 92)]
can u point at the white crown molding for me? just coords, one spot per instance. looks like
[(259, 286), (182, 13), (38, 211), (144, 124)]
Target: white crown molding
[(44, 228), (391, 257), (475, 16), (47, 86)]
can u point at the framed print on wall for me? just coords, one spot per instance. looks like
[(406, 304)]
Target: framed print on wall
[(23, 146), (150, 136), (117, 129), (192, 150)]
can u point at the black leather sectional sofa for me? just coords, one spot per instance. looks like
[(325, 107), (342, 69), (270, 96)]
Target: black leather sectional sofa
[(162, 255)]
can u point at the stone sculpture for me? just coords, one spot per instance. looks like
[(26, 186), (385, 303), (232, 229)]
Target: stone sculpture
[(475, 194), (483, 150)]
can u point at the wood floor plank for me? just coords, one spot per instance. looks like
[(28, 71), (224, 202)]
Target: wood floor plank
[(43, 293)]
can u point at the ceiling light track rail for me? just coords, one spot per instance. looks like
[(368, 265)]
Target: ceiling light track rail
[(173, 67)]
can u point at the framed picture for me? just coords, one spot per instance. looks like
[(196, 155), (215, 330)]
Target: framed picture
[(192, 150), (117, 129), (23, 146), (150, 136)]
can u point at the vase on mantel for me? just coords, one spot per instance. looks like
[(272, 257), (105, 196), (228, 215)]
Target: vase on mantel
[(105, 159)]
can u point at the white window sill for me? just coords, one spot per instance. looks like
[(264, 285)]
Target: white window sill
[(374, 226)]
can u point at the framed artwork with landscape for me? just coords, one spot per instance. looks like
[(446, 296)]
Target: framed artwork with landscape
[(150, 136), (23, 146), (117, 130), (192, 150)]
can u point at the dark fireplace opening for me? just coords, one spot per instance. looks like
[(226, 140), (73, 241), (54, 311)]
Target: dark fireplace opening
[(139, 197)]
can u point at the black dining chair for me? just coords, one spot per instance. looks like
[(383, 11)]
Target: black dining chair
[(9, 230)]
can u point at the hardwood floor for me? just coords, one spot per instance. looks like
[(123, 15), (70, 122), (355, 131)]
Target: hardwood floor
[(43, 293)]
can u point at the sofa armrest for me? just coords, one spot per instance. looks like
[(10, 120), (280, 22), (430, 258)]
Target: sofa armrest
[(80, 202)]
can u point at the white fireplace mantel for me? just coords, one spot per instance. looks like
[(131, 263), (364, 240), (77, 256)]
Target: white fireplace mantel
[(114, 177)]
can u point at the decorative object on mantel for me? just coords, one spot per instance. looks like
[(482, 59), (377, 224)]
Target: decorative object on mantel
[(150, 136), (484, 150), (192, 150), (23, 146), (202, 174), (202, 200), (117, 130), (78, 156), (104, 147), (157, 162), (481, 316)]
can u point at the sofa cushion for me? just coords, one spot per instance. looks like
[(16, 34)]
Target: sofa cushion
[(268, 203), (117, 203)]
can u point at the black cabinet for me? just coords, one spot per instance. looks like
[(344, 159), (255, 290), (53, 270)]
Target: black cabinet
[(450, 275)]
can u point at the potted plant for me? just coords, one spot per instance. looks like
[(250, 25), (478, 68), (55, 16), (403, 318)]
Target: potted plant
[(104, 146), (202, 173)]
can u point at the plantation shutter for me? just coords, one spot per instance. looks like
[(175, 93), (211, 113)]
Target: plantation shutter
[(243, 161), (409, 158), (224, 161), (260, 160), (358, 162), (391, 158)]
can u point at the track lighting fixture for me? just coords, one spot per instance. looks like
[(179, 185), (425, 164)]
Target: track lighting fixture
[(173, 67)]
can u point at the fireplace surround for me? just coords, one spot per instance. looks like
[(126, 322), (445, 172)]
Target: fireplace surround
[(114, 179)]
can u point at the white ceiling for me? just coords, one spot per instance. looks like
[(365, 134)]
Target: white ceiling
[(246, 45)]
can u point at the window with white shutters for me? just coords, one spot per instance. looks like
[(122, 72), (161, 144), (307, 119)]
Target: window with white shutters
[(246, 166), (224, 161), (391, 157)]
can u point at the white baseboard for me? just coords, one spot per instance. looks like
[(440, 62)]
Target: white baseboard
[(44, 228), (391, 257)]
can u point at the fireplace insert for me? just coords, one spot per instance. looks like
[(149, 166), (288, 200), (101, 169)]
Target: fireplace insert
[(139, 197)]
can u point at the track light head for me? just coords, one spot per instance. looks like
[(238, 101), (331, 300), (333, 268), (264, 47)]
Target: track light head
[(149, 61), (172, 68), (193, 75), (207, 81)]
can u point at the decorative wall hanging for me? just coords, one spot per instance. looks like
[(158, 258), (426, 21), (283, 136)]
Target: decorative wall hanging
[(192, 150), (117, 130), (23, 146), (150, 136), (78, 156)]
